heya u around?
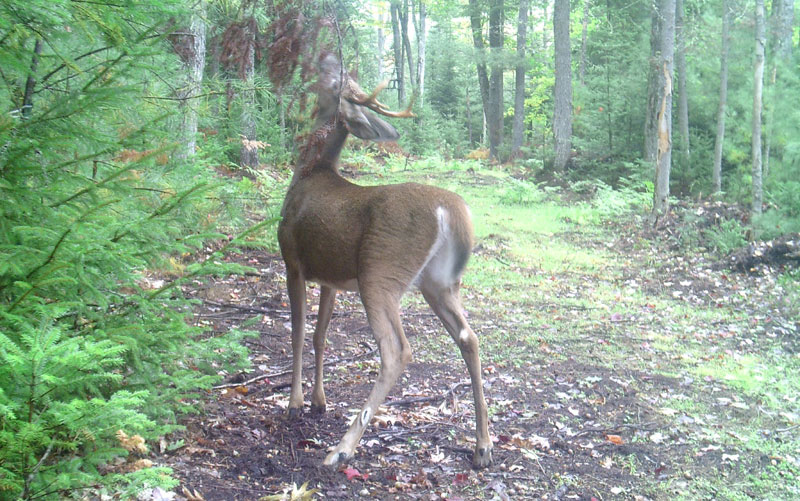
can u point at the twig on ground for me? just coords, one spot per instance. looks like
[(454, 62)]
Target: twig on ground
[(289, 371), (433, 398)]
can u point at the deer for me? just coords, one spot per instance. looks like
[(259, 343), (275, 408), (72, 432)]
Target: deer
[(378, 240)]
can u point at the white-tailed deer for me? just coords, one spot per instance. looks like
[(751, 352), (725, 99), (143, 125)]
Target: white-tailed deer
[(378, 240)]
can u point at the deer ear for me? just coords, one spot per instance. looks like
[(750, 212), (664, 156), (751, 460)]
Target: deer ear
[(366, 125)]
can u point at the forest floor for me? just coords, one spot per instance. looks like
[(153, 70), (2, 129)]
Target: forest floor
[(617, 365)]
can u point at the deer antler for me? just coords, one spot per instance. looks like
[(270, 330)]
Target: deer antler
[(358, 96)]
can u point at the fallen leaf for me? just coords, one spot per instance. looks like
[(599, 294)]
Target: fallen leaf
[(615, 439), (352, 473)]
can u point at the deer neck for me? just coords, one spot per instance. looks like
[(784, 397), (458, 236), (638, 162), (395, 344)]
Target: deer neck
[(323, 150)]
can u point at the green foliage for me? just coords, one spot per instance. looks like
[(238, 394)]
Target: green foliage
[(90, 341), (728, 236), (520, 193)]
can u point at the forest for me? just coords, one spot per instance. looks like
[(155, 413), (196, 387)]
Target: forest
[(633, 174)]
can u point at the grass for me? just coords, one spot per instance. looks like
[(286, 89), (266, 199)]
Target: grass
[(547, 284)]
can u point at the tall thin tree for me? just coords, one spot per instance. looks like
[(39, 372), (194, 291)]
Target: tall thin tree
[(584, 36), (758, 88), (248, 154), (653, 78), (397, 45), (562, 114), (421, 28), (518, 126), (191, 48), (683, 91), (781, 44), (716, 173), (495, 117), (666, 52), (476, 25)]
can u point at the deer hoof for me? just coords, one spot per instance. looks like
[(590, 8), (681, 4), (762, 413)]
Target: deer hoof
[(336, 458), (317, 410), (295, 413), (482, 457)]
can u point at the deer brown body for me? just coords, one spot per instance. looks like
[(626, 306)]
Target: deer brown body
[(378, 240)]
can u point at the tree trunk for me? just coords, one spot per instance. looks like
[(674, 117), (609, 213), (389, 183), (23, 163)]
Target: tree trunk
[(469, 115), (194, 61), (495, 116), (683, 92), (654, 75), (666, 48), (248, 155), (716, 173), (518, 127), (781, 42), (422, 41), (480, 50), (562, 114), (381, 44), (30, 82), (783, 28), (397, 43), (584, 33), (758, 83), (407, 42)]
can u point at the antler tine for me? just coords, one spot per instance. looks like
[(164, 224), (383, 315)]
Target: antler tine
[(371, 102)]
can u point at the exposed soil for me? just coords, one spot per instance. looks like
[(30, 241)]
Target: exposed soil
[(563, 428)]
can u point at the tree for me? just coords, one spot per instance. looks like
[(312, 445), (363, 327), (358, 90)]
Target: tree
[(494, 118), (191, 48), (781, 44), (397, 45), (758, 85), (476, 25), (653, 89), (406, 40), (683, 92), (562, 114), (518, 125), (664, 78), (421, 27), (716, 173), (381, 42), (584, 33), (248, 155)]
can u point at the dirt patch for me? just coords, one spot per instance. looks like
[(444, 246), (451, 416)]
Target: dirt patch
[(562, 430)]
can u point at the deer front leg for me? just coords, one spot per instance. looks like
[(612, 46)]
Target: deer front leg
[(395, 355), (327, 297), (296, 287)]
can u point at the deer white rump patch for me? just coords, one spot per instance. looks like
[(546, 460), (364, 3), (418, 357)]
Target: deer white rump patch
[(439, 265)]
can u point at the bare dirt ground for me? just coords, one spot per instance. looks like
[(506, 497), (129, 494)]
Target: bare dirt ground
[(564, 428)]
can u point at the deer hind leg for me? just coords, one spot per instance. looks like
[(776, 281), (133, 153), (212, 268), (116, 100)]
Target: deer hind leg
[(296, 287), (383, 314), (327, 297), (445, 302)]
